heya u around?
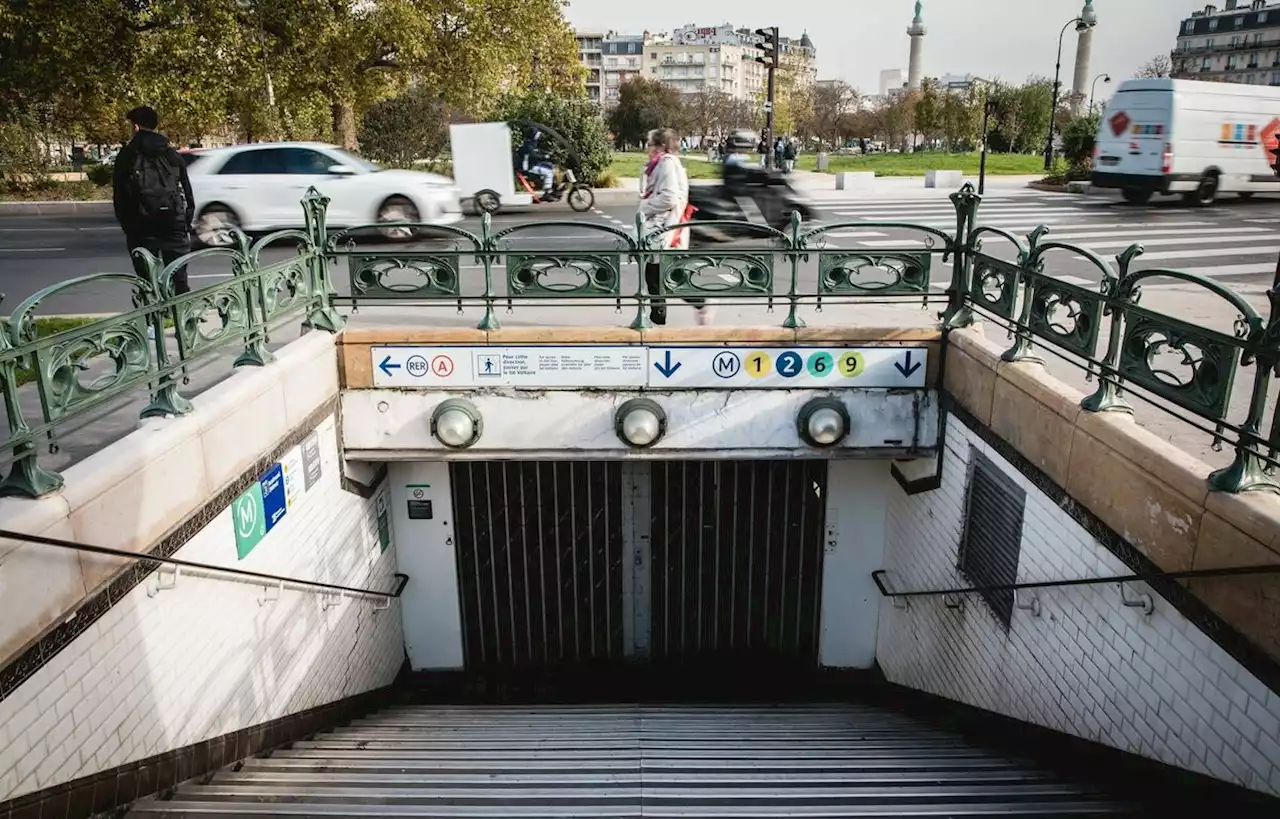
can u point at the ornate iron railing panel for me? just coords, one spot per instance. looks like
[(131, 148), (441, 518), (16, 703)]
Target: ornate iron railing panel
[(406, 275), (1026, 286), (717, 273), (563, 275)]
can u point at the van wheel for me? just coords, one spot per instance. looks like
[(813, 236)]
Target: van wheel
[(1246, 195), (1137, 196), (1206, 194)]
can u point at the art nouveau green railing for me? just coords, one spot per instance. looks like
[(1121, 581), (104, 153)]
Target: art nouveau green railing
[(79, 373)]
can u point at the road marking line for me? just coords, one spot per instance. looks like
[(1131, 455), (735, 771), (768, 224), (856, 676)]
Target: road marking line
[(31, 249), (1198, 253), (893, 243), (1141, 237), (1195, 240), (1231, 269), (856, 234)]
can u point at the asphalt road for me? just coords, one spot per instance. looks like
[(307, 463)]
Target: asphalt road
[(1234, 242)]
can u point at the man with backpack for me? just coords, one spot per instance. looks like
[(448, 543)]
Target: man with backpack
[(152, 195)]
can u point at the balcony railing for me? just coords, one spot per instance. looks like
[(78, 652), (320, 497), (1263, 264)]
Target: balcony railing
[(1182, 367)]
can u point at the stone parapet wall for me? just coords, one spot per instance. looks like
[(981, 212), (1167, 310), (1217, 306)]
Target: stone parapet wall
[(1152, 494)]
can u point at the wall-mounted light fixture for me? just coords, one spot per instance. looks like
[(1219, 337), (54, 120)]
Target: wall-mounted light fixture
[(823, 422), (457, 423), (640, 422)]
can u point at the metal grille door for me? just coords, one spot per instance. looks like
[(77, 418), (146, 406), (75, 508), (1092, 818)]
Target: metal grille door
[(539, 562), (737, 559)]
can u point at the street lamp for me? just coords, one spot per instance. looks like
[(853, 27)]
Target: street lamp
[(1106, 78), (989, 108), (1087, 20)]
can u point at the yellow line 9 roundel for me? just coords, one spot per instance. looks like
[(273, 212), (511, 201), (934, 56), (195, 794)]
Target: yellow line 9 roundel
[(851, 364)]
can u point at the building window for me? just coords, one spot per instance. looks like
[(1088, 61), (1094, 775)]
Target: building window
[(653, 55), (1275, 77), (1204, 66), (992, 538), (632, 62), (1253, 60), (1250, 78), (1209, 43), (1213, 24), (1235, 42), (1262, 17), (1231, 62), (1191, 27), (1240, 21)]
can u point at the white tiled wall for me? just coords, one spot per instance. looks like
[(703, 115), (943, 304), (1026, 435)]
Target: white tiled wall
[(207, 657), (1088, 666)]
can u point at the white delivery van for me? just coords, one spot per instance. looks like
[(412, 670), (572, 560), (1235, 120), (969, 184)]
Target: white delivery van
[(1200, 139)]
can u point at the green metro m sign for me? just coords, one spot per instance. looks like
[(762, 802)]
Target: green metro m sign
[(250, 520)]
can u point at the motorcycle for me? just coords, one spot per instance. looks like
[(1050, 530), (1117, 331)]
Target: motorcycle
[(748, 195)]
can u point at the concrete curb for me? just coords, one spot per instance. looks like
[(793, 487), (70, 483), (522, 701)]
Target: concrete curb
[(54, 208)]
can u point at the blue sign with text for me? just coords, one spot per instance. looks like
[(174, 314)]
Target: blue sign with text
[(274, 502)]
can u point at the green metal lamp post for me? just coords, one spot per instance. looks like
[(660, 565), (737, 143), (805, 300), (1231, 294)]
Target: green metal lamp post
[(1088, 19)]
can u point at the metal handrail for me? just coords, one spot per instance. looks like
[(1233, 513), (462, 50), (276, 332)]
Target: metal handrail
[(1236, 571), (401, 579)]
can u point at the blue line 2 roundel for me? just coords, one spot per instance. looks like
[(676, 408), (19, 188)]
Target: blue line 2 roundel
[(790, 364)]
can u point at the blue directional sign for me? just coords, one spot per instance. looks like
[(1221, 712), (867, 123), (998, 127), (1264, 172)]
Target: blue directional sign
[(274, 502), (666, 367)]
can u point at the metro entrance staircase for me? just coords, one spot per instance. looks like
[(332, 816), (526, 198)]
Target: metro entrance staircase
[(632, 761)]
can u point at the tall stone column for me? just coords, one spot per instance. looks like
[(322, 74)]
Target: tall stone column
[(1084, 57), (917, 31)]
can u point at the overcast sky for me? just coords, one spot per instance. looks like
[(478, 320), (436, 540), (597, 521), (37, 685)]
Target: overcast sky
[(856, 39)]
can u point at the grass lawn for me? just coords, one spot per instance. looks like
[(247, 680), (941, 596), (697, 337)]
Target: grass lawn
[(631, 164), (916, 164), (50, 326), (83, 191)]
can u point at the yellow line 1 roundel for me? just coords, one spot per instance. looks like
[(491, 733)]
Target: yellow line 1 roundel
[(758, 364), (851, 364)]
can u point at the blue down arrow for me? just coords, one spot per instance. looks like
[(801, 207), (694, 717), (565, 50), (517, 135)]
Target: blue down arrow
[(665, 367), (386, 366)]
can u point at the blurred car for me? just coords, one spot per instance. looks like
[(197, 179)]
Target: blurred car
[(259, 188)]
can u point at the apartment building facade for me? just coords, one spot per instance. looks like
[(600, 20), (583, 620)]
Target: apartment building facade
[(1238, 43), (690, 59)]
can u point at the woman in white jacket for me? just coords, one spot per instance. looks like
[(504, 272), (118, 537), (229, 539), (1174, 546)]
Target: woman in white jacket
[(664, 200)]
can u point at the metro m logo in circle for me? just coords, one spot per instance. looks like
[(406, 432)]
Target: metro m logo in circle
[(1120, 123), (726, 364)]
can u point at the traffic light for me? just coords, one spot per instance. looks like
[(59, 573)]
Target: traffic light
[(769, 45)]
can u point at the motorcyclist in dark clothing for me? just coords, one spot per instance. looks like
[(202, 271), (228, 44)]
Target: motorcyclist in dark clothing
[(152, 196)]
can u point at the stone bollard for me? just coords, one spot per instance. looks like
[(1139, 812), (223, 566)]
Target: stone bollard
[(943, 179), (855, 180), (824, 161)]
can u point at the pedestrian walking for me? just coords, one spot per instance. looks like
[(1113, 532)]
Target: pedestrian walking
[(777, 153), (664, 201), (152, 196), (789, 155)]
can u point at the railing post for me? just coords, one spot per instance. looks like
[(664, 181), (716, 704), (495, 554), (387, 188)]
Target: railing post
[(488, 255), (1249, 472), (255, 352), (321, 315), (1107, 397), (794, 322), (1033, 262), (958, 313), (641, 321), (26, 478), (166, 400)]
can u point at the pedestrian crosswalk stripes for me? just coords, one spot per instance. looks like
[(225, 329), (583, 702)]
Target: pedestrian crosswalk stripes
[(1218, 242)]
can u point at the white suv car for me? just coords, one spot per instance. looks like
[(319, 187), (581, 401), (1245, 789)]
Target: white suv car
[(259, 188)]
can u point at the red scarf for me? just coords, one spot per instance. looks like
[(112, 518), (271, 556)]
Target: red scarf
[(648, 171)]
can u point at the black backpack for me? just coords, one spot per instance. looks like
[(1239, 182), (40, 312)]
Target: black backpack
[(156, 187)]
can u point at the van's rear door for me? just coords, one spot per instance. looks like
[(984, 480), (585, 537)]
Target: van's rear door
[(1134, 131)]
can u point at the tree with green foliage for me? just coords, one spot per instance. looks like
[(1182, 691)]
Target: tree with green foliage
[(405, 128), (574, 117), (643, 105)]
